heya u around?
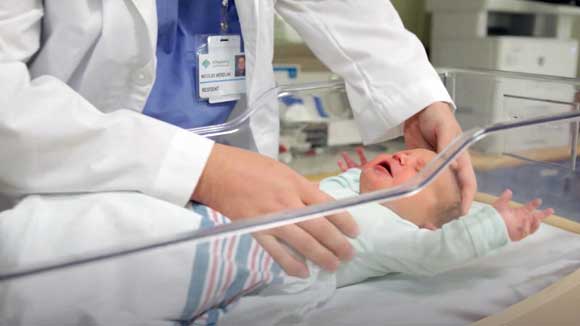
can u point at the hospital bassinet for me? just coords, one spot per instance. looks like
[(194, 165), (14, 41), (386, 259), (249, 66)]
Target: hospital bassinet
[(522, 131)]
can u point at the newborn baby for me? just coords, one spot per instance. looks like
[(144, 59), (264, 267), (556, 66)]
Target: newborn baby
[(437, 204), (421, 234), (418, 235)]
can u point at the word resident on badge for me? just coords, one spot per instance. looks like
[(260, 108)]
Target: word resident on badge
[(219, 75)]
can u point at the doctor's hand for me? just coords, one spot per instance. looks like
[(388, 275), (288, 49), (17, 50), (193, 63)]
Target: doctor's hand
[(242, 184), (434, 128), (520, 221)]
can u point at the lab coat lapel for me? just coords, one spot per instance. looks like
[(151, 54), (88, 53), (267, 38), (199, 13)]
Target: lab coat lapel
[(148, 11), (257, 22), (256, 18)]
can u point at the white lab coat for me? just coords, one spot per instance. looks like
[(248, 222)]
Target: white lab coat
[(75, 75)]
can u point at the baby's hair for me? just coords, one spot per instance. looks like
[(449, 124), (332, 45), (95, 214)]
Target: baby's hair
[(448, 212)]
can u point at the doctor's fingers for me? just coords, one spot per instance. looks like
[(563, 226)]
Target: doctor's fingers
[(307, 245), (413, 135), (467, 181), (328, 235), (331, 230), (343, 221), (291, 265), (446, 131)]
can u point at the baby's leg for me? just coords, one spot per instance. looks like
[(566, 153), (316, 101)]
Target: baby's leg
[(226, 269)]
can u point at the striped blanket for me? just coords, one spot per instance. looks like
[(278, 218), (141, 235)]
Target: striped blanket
[(224, 270)]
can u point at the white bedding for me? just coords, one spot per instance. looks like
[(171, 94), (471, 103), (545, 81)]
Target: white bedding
[(464, 295)]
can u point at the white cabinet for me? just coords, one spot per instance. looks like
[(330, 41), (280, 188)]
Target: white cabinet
[(509, 35), (539, 56)]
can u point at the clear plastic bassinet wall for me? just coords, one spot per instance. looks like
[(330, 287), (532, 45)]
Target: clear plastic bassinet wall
[(532, 159), (535, 160), (521, 131)]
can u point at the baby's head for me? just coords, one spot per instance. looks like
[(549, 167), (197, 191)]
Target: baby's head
[(435, 205)]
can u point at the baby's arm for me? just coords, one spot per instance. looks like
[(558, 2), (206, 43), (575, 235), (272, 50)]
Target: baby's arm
[(389, 244)]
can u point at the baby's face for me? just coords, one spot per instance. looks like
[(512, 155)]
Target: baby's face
[(389, 170)]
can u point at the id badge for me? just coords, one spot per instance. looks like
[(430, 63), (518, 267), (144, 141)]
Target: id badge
[(221, 70)]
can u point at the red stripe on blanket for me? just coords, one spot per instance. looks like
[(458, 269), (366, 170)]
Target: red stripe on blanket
[(213, 270), (229, 259)]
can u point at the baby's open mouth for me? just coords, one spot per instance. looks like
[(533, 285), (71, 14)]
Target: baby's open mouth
[(384, 165)]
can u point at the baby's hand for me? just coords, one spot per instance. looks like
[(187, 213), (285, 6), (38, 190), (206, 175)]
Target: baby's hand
[(349, 163), (520, 221)]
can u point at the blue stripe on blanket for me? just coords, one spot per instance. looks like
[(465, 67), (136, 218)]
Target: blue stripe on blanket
[(242, 254), (200, 268), (213, 317), (235, 271)]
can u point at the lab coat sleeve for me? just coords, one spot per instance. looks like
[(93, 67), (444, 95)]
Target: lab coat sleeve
[(385, 67), (54, 141)]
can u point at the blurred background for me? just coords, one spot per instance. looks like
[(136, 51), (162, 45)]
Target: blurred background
[(530, 23), (537, 37)]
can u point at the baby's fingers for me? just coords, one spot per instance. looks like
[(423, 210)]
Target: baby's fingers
[(506, 195), (361, 155), (503, 199), (349, 162), (341, 166), (532, 205), (540, 215)]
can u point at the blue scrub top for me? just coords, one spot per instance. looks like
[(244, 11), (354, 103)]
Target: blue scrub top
[(173, 98)]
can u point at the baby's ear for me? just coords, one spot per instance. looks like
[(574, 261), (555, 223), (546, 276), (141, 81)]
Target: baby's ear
[(421, 164)]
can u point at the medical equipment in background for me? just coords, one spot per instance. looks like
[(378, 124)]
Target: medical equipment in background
[(510, 35), (507, 35), (311, 122)]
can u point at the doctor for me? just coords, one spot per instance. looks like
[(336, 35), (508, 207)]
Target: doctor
[(93, 95)]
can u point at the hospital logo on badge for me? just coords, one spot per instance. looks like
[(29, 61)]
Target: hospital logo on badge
[(205, 63)]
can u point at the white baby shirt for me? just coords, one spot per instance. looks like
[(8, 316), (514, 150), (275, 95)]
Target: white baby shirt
[(389, 244)]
